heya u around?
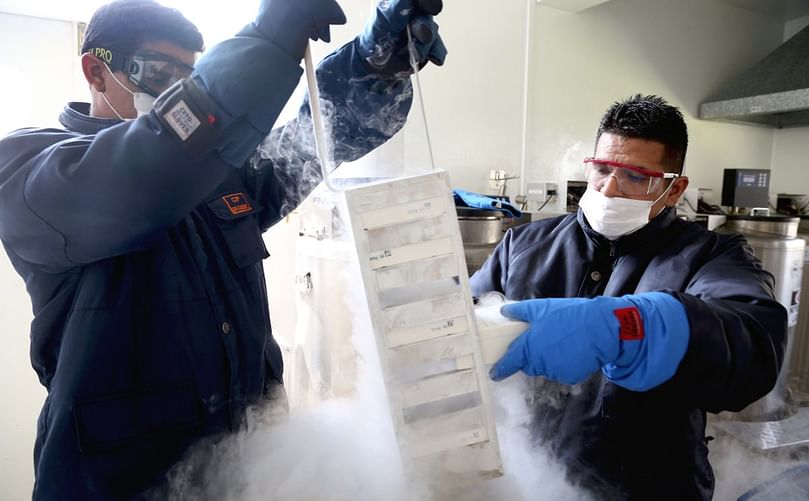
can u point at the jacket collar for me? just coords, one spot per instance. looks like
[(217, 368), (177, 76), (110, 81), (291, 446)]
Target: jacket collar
[(76, 118), (650, 232)]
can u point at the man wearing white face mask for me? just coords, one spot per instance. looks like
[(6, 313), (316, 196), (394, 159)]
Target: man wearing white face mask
[(654, 319), (150, 72), (127, 69), (616, 201), (137, 227)]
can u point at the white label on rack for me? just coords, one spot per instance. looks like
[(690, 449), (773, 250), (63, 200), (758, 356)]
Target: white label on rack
[(415, 272), (425, 312), (412, 211), (407, 253), (415, 355), (482, 458), (446, 432), (439, 388), (446, 327)]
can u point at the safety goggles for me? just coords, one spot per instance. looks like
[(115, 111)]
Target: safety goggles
[(150, 71), (633, 180)]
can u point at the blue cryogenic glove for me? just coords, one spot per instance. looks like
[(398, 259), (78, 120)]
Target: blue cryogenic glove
[(384, 43), (636, 340), (250, 77)]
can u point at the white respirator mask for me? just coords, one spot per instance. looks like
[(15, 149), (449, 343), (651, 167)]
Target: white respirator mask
[(615, 217), (143, 102)]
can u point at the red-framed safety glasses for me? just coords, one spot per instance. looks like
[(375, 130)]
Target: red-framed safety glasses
[(632, 180)]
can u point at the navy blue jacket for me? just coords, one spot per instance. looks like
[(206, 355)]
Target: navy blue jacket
[(647, 445), (144, 268)]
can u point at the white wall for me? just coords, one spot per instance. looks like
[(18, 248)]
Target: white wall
[(475, 102), (790, 161), (680, 50), (790, 152), (38, 76), (21, 392), (39, 70)]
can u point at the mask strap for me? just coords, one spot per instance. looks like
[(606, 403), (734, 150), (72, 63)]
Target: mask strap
[(104, 97), (664, 191), (118, 81), (662, 195)]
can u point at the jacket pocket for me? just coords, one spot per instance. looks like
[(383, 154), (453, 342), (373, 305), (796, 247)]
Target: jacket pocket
[(235, 214), (118, 420)]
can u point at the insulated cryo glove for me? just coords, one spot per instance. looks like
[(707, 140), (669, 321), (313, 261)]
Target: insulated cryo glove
[(384, 42), (636, 340), (250, 77)]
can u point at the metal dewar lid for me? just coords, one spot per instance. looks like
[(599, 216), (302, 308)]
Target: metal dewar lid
[(778, 226), (472, 213)]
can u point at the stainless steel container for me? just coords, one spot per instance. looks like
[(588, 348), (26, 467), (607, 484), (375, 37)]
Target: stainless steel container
[(799, 364), (775, 242), (481, 230)]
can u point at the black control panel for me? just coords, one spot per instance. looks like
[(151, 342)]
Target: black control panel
[(746, 188)]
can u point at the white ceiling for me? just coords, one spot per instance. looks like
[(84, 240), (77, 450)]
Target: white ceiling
[(571, 5), (80, 10)]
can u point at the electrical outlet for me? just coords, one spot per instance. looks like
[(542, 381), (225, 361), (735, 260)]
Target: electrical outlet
[(539, 192), (540, 195), (536, 192)]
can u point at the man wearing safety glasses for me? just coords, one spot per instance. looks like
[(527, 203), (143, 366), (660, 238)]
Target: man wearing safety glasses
[(151, 72), (624, 190), (137, 227), (639, 322)]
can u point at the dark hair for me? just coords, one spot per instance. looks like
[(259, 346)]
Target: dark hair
[(123, 26), (650, 118)]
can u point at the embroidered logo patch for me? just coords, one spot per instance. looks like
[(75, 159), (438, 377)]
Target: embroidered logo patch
[(631, 324), (237, 203)]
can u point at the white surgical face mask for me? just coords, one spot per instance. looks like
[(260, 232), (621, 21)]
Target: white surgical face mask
[(615, 217), (143, 102)]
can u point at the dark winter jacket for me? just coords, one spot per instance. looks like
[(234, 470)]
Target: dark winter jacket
[(144, 267), (647, 445)]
